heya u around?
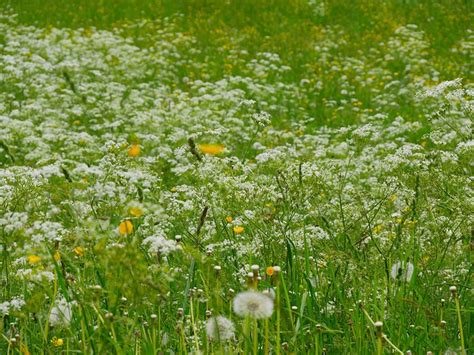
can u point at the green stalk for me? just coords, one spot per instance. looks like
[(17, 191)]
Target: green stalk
[(278, 319), (267, 340), (255, 337), (458, 313), (247, 334), (379, 345), (196, 343)]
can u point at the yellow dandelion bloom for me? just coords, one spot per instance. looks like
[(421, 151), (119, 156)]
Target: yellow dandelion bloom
[(229, 219), (270, 271), (238, 229), (392, 198), (57, 255), (134, 150), (34, 259), (125, 227), (212, 149), (135, 211), (79, 251)]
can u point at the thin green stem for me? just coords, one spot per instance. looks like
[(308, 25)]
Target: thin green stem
[(461, 335), (255, 337)]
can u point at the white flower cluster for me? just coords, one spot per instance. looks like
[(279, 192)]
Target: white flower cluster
[(15, 304), (159, 244)]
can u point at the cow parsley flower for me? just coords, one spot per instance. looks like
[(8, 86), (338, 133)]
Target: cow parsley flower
[(159, 244), (253, 304)]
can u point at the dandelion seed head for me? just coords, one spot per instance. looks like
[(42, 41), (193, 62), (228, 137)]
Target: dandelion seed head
[(61, 313), (220, 328), (253, 304)]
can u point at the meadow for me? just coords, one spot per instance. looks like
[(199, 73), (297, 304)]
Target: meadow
[(236, 177)]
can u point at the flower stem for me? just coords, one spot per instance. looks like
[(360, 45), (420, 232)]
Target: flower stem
[(267, 343), (458, 312), (255, 337)]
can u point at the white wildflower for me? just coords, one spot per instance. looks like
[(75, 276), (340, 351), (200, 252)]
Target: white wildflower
[(159, 244)]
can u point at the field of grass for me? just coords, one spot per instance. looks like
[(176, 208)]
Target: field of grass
[(236, 177)]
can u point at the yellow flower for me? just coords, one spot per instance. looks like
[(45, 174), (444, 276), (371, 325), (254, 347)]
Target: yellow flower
[(134, 150), (270, 270), (229, 219), (24, 349), (79, 251), (125, 227), (57, 341), (392, 198), (238, 229), (212, 149), (57, 255), (377, 229), (135, 211), (34, 259)]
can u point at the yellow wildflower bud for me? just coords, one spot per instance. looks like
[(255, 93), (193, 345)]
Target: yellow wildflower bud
[(270, 271), (134, 150), (125, 227), (212, 149), (377, 229), (79, 251), (57, 341), (135, 211), (238, 229), (34, 259)]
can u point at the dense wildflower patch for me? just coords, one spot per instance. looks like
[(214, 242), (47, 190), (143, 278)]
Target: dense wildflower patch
[(140, 186)]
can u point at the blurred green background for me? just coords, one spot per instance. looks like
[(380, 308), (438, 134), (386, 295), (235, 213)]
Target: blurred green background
[(281, 24)]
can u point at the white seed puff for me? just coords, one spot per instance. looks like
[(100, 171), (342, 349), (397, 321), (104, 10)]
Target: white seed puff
[(220, 328), (253, 304)]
